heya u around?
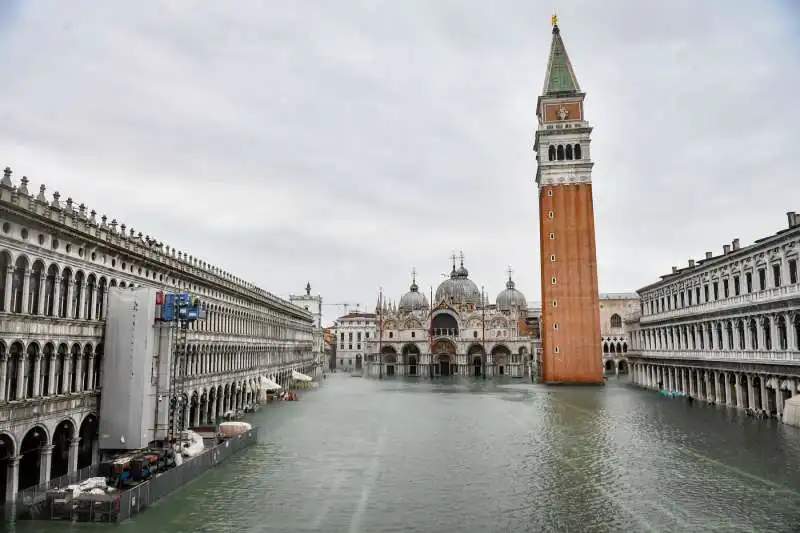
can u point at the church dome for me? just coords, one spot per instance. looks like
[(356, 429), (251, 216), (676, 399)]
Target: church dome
[(459, 289), (511, 298), (413, 300)]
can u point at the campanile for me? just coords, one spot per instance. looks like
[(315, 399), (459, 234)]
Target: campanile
[(570, 299)]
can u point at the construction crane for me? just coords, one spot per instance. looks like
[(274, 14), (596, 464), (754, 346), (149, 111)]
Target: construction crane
[(345, 306)]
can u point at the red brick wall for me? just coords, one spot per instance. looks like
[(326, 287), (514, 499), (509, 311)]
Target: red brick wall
[(575, 290)]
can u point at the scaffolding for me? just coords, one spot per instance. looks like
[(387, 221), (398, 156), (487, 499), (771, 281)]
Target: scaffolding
[(179, 311)]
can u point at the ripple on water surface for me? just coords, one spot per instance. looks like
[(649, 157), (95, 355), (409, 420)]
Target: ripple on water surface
[(382, 456)]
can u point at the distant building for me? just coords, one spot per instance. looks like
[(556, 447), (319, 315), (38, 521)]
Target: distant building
[(726, 328), (615, 310), (461, 334), (353, 331), (313, 304)]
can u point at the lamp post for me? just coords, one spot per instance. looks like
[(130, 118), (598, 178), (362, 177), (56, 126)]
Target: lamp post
[(380, 334)]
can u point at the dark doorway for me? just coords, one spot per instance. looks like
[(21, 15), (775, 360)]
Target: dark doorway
[(476, 365), (412, 366), (444, 366), (390, 370), (502, 370)]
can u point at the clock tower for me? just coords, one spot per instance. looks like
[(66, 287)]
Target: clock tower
[(571, 350)]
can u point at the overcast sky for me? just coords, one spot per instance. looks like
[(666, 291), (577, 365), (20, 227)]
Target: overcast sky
[(344, 143)]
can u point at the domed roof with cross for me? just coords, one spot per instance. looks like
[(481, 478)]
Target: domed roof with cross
[(510, 298)]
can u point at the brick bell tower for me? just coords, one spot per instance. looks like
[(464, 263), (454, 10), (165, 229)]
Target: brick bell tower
[(571, 351)]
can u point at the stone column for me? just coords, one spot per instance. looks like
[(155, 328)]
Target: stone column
[(70, 296), (26, 287), (707, 377), (764, 395), (73, 454), (56, 296), (66, 373), (79, 374), (12, 477), (80, 290), (791, 340), (779, 399), (3, 370), (45, 462), (51, 386), (751, 392), (740, 403), (42, 291), (21, 376), (37, 370), (90, 384), (9, 290), (685, 381)]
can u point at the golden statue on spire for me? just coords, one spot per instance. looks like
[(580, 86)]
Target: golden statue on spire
[(554, 20)]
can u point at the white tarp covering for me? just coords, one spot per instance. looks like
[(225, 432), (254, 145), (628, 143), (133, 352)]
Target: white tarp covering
[(194, 446), (297, 376), (268, 384)]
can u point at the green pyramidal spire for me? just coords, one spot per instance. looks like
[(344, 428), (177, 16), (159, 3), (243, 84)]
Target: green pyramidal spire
[(560, 78)]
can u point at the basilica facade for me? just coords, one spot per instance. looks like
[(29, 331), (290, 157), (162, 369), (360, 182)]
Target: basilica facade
[(458, 333)]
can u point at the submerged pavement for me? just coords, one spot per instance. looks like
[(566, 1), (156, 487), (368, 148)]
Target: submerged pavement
[(371, 456)]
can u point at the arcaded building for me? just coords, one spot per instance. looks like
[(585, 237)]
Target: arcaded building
[(616, 310), (725, 328), (58, 260)]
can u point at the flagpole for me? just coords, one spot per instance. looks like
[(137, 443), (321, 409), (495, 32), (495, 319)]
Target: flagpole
[(430, 338), (380, 334), (483, 331)]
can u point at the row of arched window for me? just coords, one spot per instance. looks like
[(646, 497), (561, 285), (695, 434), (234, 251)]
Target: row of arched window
[(563, 152)]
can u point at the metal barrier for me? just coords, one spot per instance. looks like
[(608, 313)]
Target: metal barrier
[(29, 503), (135, 500), (36, 504)]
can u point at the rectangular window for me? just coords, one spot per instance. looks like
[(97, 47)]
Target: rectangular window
[(552, 235), (762, 279), (689, 296), (716, 290), (776, 275), (793, 271), (697, 295), (552, 259), (725, 288), (705, 293), (674, 301), (683, 300), (748, 278), (736, 287)]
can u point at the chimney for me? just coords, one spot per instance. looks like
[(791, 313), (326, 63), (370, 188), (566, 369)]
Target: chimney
[(674, 270), (709, 255), (691, 263), (792, 216), (736, 244), (726, 249)]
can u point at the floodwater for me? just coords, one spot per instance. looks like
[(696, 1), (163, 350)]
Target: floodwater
[(371, 456)]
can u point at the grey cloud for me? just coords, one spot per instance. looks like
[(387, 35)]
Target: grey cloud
[(346, 145)]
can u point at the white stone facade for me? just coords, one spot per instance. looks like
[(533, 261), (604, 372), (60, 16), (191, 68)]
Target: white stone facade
[(726, 329), (615, 310), (353, 331), (57, 261), (313, 304)]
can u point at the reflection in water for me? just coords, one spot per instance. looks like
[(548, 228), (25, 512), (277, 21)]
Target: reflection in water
[(462, 456)]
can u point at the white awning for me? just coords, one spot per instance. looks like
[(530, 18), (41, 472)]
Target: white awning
[(297, 376), (268, 384)]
